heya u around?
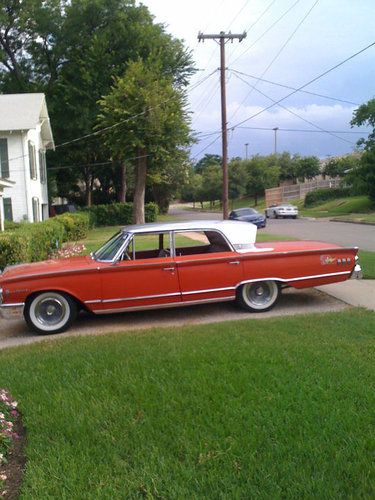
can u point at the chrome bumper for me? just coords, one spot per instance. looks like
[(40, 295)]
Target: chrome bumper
[(11, 311), (357, 271)]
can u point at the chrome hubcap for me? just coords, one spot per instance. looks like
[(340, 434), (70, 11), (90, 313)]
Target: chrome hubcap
[(50, 311)]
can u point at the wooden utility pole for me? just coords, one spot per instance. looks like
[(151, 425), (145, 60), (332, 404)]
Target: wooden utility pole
[(222, 37)]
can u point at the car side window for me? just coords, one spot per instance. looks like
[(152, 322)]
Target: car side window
[(199, 242), (148, 246)]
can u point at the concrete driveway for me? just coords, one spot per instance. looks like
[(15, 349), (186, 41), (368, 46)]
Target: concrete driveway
[(292, 302)]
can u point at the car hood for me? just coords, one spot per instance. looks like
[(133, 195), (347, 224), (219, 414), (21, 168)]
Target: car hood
[(51, 266)]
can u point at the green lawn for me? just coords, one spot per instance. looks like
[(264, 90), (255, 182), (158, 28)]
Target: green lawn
[(278, 408), (339, 207), (367, 261)]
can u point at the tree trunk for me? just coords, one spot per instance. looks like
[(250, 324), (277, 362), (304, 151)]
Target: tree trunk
[(88, 188), (123, 186), (140, 187)]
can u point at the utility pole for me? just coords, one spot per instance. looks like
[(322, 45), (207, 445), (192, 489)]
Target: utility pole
[(246, 146), (221, 39)]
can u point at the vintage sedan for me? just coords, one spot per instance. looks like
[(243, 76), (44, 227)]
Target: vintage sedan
[(167, 265), (283, 210)]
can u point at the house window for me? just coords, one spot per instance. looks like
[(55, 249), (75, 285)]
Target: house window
[(32, 160), (36, 212), (42, 166), (8, 212), (4, 160)]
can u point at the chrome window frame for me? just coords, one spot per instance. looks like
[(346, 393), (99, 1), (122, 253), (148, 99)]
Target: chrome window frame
[(231, 248)]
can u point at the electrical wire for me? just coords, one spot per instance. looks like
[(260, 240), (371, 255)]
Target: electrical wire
[(293, 88), (267, 30), (296, 114), (276, 56), (305, 85)]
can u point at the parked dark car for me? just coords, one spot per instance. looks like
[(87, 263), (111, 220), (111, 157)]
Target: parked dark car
[(248, 215)]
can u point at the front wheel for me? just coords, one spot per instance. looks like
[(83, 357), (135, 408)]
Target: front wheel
[(259, 296), (50, 312)]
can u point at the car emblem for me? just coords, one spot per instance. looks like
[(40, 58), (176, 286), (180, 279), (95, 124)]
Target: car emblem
[(327, 259)]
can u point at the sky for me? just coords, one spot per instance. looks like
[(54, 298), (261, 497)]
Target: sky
[(288, 42)]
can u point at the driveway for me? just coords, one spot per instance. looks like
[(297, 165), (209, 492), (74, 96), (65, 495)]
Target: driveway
[(292, 302)]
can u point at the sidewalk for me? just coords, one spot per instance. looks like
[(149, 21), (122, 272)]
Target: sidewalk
[(359, 293)]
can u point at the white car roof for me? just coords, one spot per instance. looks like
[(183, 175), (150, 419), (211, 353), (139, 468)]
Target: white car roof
[(237, 232)]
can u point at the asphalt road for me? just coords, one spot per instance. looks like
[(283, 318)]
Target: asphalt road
[(341, 233)]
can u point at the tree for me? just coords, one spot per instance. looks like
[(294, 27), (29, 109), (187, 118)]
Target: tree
[(147, 119), (308, 167), (365, 115), (207, 161), (340, 167), (212, 182), (238, 178), (260, 176), (71, 50)]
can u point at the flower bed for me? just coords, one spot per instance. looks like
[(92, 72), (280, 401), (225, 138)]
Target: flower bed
[(9, 417)]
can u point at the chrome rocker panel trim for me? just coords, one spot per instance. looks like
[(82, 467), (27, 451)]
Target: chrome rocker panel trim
[(12, 311)]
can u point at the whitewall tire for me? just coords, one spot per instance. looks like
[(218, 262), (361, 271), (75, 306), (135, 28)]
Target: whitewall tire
[(258, 296), (50, 312)]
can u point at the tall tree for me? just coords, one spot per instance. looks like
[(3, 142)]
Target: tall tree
[(365, 115), (146, 118), (71, 50)]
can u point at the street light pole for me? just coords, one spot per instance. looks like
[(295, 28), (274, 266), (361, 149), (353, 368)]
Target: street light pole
[(246, 145), (275, 130)]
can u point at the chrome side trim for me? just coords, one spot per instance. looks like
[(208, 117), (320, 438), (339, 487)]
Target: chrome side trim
[(15, 304), (97, 301), (143, 297), (288, 280), (209, 290), (165, 306)]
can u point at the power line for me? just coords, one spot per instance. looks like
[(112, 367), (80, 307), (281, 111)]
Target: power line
[(277, 55), (293, 88), (267, 30), (208, 145), (305, 85), (295, 114)]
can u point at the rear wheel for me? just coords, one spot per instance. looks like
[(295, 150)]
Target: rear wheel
[(50, 312), (259, 296)]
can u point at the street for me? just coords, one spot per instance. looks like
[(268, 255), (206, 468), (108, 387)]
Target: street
[(341, 233)]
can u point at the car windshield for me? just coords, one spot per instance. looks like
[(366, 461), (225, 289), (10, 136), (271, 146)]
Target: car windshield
[(247, 211), (109, 250)]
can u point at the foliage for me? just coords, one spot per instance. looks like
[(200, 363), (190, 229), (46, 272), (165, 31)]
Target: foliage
[(153, 123), (35, 242), (71, 50), (262, 174), (271, 408), (365, 115), (340, 167), (208, 160), (8, 415), (119, 214), (308, 167), (320, 195)]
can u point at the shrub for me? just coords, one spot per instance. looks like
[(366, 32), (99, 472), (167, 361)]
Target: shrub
[(76, 225), (14, 248), (321, 195), (119, 214)]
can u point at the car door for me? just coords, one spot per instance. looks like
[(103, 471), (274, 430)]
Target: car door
[(208, 269), (146, 276)]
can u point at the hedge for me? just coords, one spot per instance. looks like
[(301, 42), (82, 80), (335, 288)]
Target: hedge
[(320, 195), (35, 242), (119, 214)]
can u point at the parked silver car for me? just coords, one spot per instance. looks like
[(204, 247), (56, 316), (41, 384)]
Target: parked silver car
[(282, 210)]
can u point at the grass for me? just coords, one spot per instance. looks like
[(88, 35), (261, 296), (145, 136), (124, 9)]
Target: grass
[(367, 261), (279, 408), (338, 207)]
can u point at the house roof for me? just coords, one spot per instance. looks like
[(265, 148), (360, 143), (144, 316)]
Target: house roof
[(24, 112)]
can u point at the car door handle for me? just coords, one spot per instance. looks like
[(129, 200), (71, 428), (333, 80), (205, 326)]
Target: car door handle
[(169, 268), (234, 262)]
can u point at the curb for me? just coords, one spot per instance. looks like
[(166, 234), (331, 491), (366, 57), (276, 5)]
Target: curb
[(348, 221)]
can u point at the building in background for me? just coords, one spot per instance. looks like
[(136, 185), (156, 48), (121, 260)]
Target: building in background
[(25, 135)]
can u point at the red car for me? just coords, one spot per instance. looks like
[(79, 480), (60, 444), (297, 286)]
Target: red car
[(167, 265)]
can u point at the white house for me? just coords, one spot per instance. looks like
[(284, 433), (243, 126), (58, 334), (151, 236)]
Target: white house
[(25, 135)]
